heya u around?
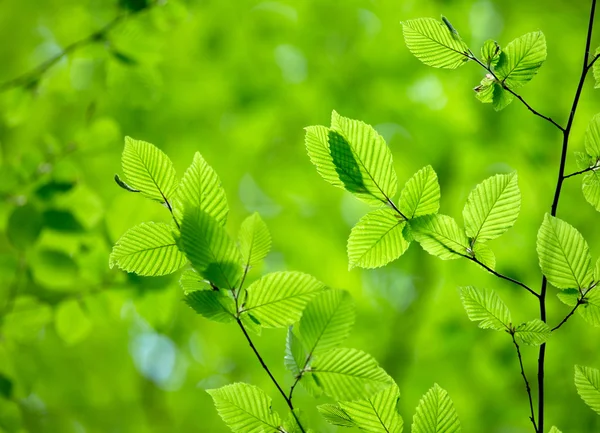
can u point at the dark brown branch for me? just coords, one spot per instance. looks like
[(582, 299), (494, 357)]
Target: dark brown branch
[(577, 173), (527, 387)]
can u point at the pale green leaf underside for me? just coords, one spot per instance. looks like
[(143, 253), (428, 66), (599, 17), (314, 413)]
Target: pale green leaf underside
[(435, 413), (587, 382), (486, 307), (278, 299), (148, 249), (376, 239), (245, 409), (492, 207), (348, 374), (533, 333), (210, 249), (200, 187), (491, 92), (521, 59), (254, 239), (335, 415), (440, 236), (564, 254), (421, 194), (377, 414), (433, 43), (149, 170), (326, 321), (212, 304)]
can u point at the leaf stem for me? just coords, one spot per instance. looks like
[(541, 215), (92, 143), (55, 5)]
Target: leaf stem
[(266, 368), (504, 277), (580, 301), (527, 387), (577, 173)]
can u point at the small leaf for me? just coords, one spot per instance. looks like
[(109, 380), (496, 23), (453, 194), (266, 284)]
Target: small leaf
[(24, 226), (587, 382), (584, 161), (201, 188), (501, 97), (596, 69), (190, 281), (335, 415), (376, 239), (592, 137), (554, 430), (492, 207), (295, 356), (377, 414), (486, 307), (535, 332), (484, 254), (277, 299), (245, 408), (255, 240), (521, 59), (440, 236), (148, 249), (490, 52), (71, 322), (435, 413), (148, 170), (212, 304), (590, 310), (326, 321), (210, 249), (564, 255), (348, 374), (591, 188), (421, 194), (434, 43)]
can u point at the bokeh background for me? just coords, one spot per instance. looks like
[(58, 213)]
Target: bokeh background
[(87, 349)]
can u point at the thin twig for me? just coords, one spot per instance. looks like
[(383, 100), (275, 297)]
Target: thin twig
[(499, 275), (580, 301), (577, 173), (527, 387)]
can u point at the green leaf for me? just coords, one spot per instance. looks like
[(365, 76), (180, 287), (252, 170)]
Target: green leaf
[(210, 249), (24, 226), (335, 415), (564, 254), (440, 236), (148, 249), (277, 299), (326, 321), (290, 425), (348, 374), (596, 69), (590, 310), (148, 170), (591, 188), (535, 332), (212, 304), (255, 240), (434, 43), (201, 188), (584, 161), (362, 159), (592, 137), (501, 97), (316, 140), (486, 307), (71, 322), (376, 239), (485, 91), (587, 382), (484, 254), (492, 207), (377, 414), (435, 413), (190, 281), (521, 59), (490, 52), (421, 194), (295, 356), (554, 430), (245, 408)]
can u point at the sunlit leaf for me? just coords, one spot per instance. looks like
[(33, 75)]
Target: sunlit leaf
[(492, 207), (484, 254), (421, 194), (435, 413), (534, 332), (486, 307), (148, 170), (376, 239), (440, 236), (245, 408), (521, 59), (335, 415), (277, 299), (490, 52), (148, 249), (378, 413), (212, 304), (587, 382), (434, 43), (564, 254), (592, 137), (254, 239)]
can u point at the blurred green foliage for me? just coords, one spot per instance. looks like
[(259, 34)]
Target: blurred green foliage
[(88, 349)]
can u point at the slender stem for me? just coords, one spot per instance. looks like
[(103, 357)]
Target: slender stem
[(568, 316), (499, 275), (266, 368), (554, 209), (527, 387), (577, 173), (294, 385), (516, 95)]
